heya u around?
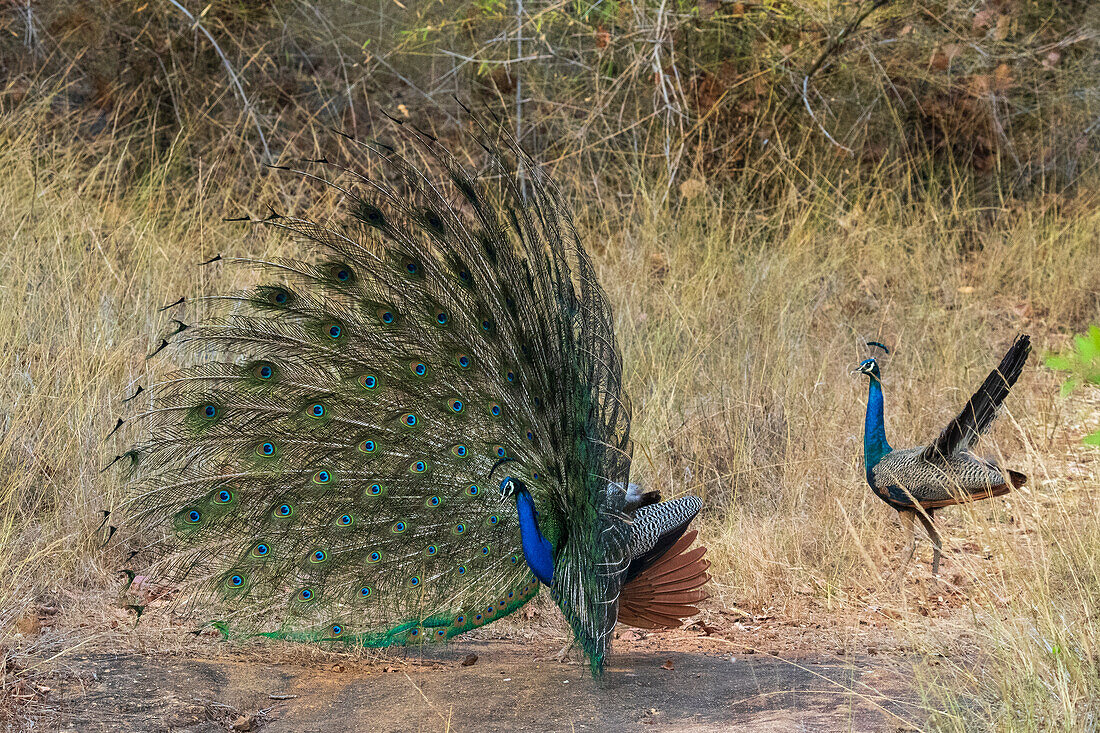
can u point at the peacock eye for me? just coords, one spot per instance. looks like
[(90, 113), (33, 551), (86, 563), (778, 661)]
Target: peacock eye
[(419, 368), (210, 411), (367, 446), (409, 419), (456, 405), (433, 501), (267, 448), (368, 381), (236, 581), (386, 316), (337, 629), (441, 317), (305, 595), (284, 510), (460, 450), (224, 496), (374, 489), (261, 550), (264, 371), (334, 331), (194, 516), (500, 451), (365, 592), (418, 467), (495, 410), (322, 477), (318, 556), (317, 410), (345, 520), (463, 361)]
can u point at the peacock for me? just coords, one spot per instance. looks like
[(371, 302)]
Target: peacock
[(411, 425), (918, 481)]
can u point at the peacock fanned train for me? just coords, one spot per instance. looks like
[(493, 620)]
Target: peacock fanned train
[(332, 462)]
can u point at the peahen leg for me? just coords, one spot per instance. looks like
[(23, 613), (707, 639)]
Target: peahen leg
[(934, 535), (908, 526)]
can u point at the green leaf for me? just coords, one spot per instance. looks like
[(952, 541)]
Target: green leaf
[(1093, 439)]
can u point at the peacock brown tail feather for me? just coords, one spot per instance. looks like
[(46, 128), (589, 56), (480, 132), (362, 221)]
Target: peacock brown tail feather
[(320, 469)]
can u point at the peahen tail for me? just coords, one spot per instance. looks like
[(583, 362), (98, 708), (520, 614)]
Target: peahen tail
[(319, 470)]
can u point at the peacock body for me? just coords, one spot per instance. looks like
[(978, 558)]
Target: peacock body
[(917, 481), (323, 468)]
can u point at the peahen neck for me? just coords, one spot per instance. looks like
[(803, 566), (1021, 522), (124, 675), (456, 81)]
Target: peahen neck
[(537, 550), (874, 426)]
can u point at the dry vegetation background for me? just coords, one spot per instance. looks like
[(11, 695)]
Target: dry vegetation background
[(763, 185)]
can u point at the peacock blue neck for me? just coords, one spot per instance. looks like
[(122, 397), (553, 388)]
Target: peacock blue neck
[(537, 550), (874, 426)]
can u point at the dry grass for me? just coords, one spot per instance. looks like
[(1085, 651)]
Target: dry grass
[(738, 326)]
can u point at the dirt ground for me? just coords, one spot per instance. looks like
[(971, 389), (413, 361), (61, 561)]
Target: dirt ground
[(689, 680)]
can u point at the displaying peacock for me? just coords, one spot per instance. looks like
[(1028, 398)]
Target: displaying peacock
[(917, 481), (333, 462)]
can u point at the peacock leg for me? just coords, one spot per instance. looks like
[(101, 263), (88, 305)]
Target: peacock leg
[(934, 535), (908, 526)]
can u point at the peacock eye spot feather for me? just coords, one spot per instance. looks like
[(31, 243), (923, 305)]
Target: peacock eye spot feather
[(194, 516), (461, 569), (485, 550), (473, 489), (530, 435), (412, 267), (374, 557), (494, 410), (510, 376), (345, 520), (399, 527), (264, 371), (418, 467), (322, 477), (463, 361), (316, 410), (486, 325), (409, 419), (369, 214), (500, 451), (514, 559), (341, 273), (236, 581), (494, 519), (413, 582), (334, 331), (367, 446), (266, 448), (210, 411), (387, 317), (261, 550), (368, 382), (284, 510), (433, 220), (433, 501), (374, 489), (337, 629), (456, 406), (305, 595), (460, 450), (319, 556), (432, 550), (460, 620), (224, 497), (460, 528), (441, 317), (365, 591), (418, 368)]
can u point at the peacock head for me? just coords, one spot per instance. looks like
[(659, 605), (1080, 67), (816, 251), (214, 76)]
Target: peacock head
[(870, 368), (510, 486)]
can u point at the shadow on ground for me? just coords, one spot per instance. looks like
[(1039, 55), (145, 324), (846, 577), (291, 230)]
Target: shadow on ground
[(511, 687)]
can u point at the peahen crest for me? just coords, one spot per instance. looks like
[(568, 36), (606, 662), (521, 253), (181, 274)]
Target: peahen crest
[(321, 468)]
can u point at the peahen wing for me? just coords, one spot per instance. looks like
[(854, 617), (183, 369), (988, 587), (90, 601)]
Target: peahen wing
[(979, 412), (319, 471)]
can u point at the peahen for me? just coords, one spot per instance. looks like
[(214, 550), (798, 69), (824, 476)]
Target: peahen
[(918, 481), (324, 467)]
